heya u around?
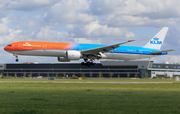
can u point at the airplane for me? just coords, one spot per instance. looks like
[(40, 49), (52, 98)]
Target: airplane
[(65, 52)]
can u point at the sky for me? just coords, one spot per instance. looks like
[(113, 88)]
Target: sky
[(89, 21)]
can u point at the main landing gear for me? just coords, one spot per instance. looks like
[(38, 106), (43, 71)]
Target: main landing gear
[(88, 63)]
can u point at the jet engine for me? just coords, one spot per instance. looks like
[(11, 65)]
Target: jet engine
[(63, 59), (70, 55), (101, 56)]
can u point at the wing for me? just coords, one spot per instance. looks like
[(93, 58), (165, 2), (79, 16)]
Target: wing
[(104, 49), (156, 52)]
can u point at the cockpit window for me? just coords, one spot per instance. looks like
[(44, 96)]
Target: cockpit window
[(9, 45)]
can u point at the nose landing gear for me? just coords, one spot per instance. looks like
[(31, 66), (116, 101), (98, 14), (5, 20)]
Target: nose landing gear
[(16, 58)]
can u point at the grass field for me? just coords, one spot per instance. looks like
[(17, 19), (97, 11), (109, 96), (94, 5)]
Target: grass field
[(45, 98), (90, 80)]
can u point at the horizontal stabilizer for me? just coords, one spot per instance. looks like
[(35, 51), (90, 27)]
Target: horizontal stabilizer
[(162, 51)]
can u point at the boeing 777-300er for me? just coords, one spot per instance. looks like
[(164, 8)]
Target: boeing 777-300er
[(65, 52)]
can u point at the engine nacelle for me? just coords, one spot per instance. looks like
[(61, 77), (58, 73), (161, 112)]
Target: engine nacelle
[(73, 55), (63, 59), (70, 55), (101, 56)]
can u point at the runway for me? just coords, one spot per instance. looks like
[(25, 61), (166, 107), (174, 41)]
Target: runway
[(118, 82), (87, 82)]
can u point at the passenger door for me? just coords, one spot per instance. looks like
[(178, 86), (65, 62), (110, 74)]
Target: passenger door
[(20, 47)]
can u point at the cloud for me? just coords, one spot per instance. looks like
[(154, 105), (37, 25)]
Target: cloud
[(86, 41), (167, 58), (95, 29), (30, 5), (11, 37), (172, 40), (50, 35), (70, 11), (136, 7), (136, 12), (3, 29), (129, 20), (8, 35), (69, 26)]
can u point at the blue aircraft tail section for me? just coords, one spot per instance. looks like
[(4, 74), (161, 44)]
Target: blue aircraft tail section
[(157, 41)]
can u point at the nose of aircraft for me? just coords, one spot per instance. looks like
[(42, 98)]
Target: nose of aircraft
[(6, 48)]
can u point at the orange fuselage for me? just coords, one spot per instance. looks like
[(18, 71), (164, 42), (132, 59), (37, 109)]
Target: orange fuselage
[(32, 45)]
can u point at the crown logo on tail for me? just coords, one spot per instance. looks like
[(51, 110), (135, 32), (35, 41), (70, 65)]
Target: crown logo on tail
[(156, 38)]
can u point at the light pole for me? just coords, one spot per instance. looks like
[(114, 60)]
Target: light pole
[(21, 72), (52, 72)]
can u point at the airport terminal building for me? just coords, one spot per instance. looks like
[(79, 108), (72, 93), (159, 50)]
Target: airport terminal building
[(106, 69)]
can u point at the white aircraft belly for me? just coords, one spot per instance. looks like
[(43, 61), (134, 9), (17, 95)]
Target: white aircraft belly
[(123, 56), (62, 53), (52, 53)]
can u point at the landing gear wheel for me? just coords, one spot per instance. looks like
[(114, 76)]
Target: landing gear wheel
[(94, 64), (88, 63), (17, 60), (82, 63)]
